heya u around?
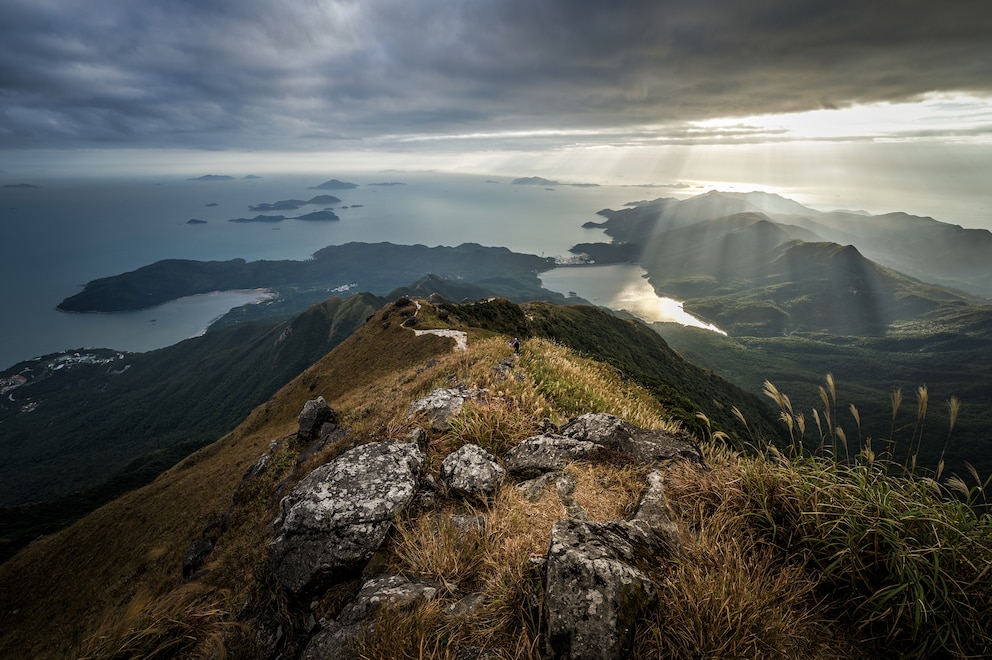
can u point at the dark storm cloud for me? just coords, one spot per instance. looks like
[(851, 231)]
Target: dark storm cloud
[(253, 73)]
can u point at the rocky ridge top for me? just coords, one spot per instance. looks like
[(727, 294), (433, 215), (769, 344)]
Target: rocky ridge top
[(335, 522)]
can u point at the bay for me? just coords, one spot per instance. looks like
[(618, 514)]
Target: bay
[(621, 287)]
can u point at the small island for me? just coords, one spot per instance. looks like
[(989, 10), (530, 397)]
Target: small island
[(260, 218), (334, 184), (294, 204), (212, 177), (326, 215), (196, 221)]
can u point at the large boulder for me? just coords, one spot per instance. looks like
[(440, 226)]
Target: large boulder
[(544, 453), (338, 516), (595, 590), (644, 445), (472, 471), (596, 584)]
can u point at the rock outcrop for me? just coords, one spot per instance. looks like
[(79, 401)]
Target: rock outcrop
[(312, 418), (337, 637), (337, 517), (598, 576), (644, 445), (544, 453), (441, 404), (472, 472)]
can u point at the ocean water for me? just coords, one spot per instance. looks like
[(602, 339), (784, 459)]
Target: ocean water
[(56, 237)]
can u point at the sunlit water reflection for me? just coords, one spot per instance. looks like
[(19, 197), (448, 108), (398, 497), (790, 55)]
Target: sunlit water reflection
[(621, 287)]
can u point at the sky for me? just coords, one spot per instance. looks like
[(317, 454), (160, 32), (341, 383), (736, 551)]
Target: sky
[(876, 103)]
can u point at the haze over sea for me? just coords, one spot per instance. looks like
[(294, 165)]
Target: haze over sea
[(66, 232)]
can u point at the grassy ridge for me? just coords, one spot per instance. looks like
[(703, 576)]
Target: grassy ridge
[(775, 561)]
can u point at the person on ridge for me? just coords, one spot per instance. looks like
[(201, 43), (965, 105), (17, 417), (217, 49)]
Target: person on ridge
[(516, 345)]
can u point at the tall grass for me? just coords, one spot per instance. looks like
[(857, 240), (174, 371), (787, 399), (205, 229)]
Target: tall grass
[(893, 554), (189, 622)]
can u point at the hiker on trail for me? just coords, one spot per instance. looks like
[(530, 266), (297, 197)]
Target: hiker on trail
[(516, 345)]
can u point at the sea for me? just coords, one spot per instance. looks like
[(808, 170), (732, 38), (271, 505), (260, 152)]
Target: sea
[(58, 234)]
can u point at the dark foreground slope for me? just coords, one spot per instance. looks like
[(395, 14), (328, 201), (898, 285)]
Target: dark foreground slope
[(98, 431)]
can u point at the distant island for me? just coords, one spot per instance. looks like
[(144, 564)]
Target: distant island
[(534, 181), (212, 177), (541, 181), (19, 185), (388, 183), (294, 204), (250, 177), (334, 184), (196, 221), (325, 215), (260, 218)]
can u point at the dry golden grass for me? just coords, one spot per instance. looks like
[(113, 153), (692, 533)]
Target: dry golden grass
[(189, 622)]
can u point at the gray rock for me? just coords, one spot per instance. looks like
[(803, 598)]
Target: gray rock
[(595, 591), (565, 487), (393, 590), (645, 445), (468, 605), (544, 453), (441, 404), (337, 517), (337, 638), (652, 511), (472, 471), (533, 489), (469, 524), (314, 415)]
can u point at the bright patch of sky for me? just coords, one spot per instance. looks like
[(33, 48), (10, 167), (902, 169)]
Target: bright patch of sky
[(945, 117)]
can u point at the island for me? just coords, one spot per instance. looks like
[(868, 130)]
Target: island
[(212, 177), (294, 204), (260, 218), (334, 184), (196, 221), (325, 215), (376, 267)]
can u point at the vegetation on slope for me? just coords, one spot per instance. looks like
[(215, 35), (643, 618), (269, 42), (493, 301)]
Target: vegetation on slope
[(868, 372), (785, 556)]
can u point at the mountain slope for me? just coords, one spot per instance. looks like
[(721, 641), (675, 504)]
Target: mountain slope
[(921, 247), (752, 276), (751, 544)]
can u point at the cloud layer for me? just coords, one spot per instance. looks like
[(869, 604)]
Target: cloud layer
[(369, 73)]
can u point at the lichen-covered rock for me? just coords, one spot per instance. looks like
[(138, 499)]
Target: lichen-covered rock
[(441, 404), (645, 445), (594, 590), (472, 471), (544, 453), (312, 418), (337, 517), (652, 511), (337, 638)]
